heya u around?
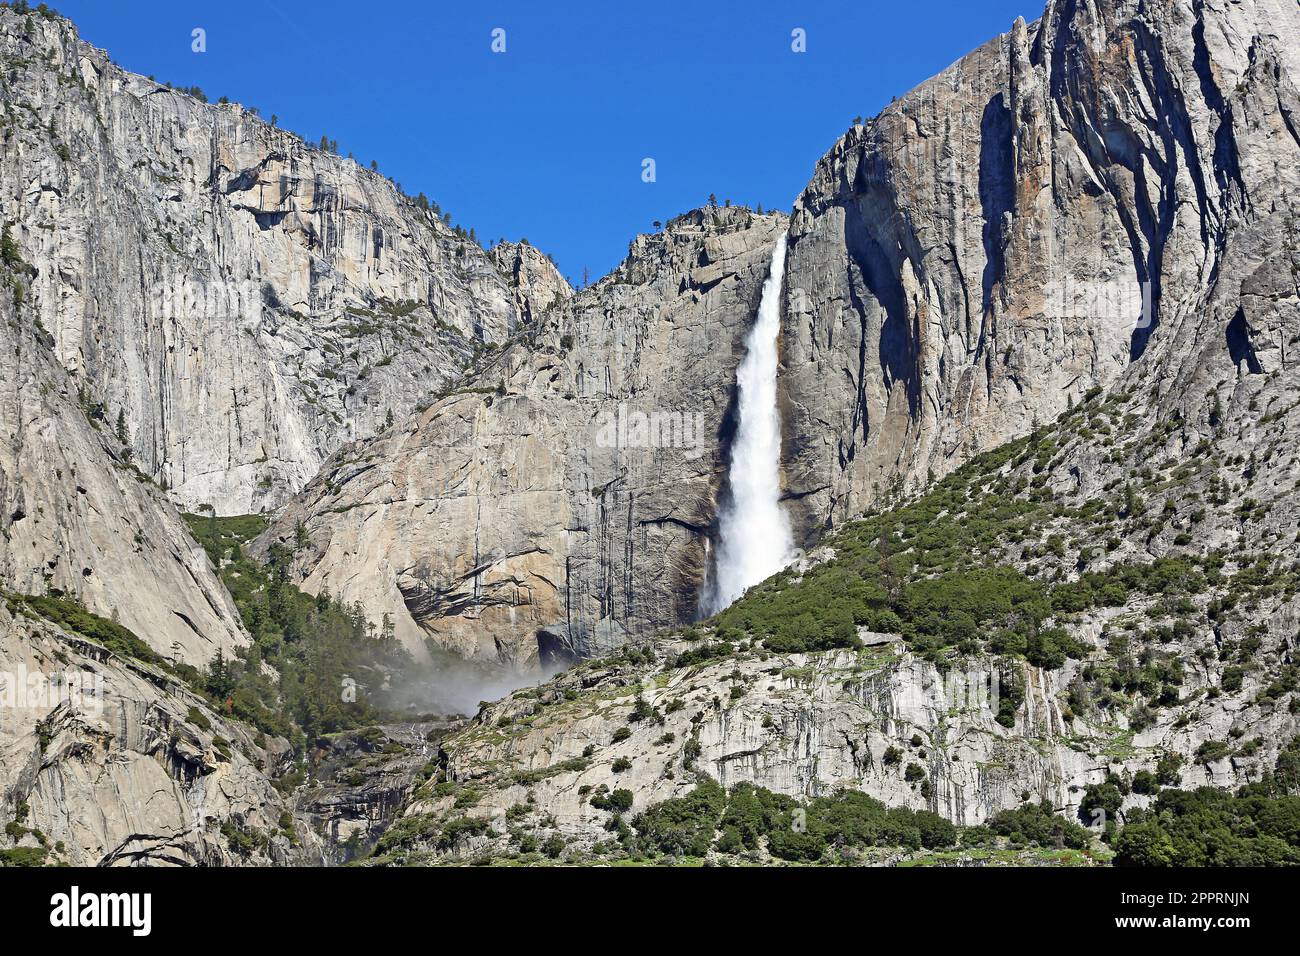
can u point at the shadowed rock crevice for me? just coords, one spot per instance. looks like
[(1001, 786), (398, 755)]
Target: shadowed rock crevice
[(997, 195), (1240, 349)]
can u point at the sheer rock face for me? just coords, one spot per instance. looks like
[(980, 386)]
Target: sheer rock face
[(110, 758), (563, 500), (971, 260), (248, 302), (121, 766), (77, 517)]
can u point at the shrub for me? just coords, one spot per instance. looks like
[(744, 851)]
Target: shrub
[(9, 254), (1286, 772), (616, 802), (795, 846), (1144, 781), (1101, 798), (23, 856), (1169, 770), (461, 827), (683, 825), (1212, 750), (753, 812), (1036, 824), (195, 717)]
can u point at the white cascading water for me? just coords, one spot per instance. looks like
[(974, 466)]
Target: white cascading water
[(754, 531)]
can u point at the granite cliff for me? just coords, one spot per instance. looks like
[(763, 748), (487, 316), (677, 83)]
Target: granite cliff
[(248, 302), (1022, 228), (107, 607), (559, 500)]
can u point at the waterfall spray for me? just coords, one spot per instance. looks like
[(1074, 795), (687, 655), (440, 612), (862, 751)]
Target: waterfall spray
[(754, 532)]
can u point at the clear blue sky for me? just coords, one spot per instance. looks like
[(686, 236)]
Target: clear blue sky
[(546, 140)]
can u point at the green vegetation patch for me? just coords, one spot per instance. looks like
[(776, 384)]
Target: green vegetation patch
[(73, 616), (324, 651), (748, 817)]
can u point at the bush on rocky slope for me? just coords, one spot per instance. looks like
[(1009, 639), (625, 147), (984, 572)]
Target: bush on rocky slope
[(749, 819), (1259, 825), (73, 616)]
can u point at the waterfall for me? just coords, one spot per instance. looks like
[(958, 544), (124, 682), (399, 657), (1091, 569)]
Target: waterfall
[(754, 532)]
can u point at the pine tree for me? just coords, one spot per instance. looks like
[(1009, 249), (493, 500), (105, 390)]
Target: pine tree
[(124, 436), (9, 249)]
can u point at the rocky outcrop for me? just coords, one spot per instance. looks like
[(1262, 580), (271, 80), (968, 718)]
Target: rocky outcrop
[(1021, 228), (561, 500), (537, 283), (246, 301), (106, 761), (880, 720), (1049, 213), (364, 779)]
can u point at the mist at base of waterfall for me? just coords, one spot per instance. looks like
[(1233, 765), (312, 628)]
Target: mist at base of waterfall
[(450, 685)]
